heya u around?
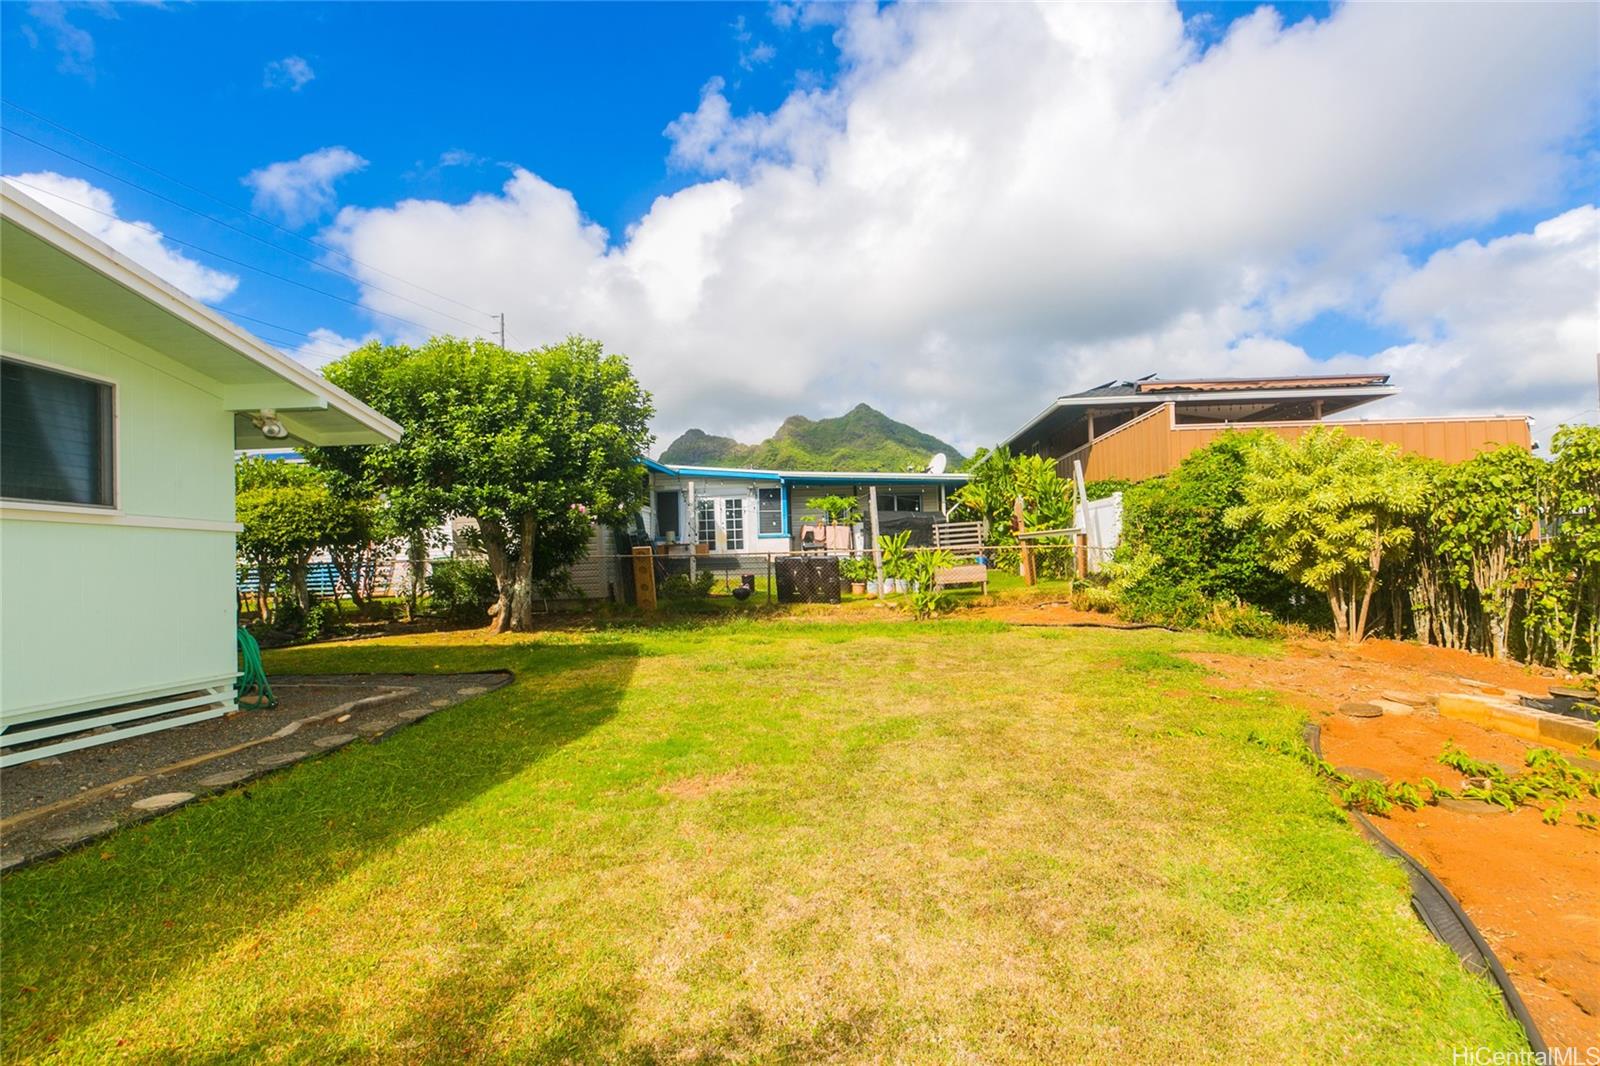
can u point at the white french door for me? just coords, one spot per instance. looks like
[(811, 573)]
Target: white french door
[(720, 522)]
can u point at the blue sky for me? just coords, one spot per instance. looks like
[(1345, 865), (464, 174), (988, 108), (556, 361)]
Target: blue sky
[(441, 102)]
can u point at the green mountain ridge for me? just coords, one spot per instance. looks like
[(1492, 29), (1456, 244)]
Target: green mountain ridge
[(860, 439)]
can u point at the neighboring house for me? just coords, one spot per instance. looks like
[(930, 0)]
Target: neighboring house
[(732, 510), (121, 406), (1144, 428)]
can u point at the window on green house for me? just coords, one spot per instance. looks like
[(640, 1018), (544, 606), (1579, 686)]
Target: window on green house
[(55, 436)]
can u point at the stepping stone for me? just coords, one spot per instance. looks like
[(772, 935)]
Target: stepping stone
[(1361, 773), (1361, 710), (377, 725), (162, 802), (226, 778), (71, 834), (1393, 707), (334, 740), (1466, 806), (413, 714), (1412, 699), (1555, 690), (471, 690), (438, 703), (282, 760)]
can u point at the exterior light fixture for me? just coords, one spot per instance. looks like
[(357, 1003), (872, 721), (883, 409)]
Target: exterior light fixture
[(266, 420)]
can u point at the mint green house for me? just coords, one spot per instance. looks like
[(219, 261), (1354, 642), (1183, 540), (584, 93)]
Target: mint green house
[(122, 402)]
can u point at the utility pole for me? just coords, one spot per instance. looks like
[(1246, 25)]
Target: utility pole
[(502, 329)]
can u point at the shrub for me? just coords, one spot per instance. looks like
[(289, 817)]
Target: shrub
[(1178, 520), (462, 589), (682, 587), (922, 570), (323, 620)]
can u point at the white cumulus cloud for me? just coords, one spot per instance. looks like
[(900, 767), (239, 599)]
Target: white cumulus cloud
[(993, 204), (290, 72), (91, 208), (323, 346), (301, 190)]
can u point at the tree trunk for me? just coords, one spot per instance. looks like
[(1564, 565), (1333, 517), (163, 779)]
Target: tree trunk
[(263, 588), (1340, 619), (416, 564), (522, 591), (495, 547), (297, 577), (350, 567)]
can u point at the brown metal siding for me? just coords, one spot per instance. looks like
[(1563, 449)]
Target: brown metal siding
[(1152, 445)]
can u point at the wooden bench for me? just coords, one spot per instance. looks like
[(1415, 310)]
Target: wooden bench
[(964, 574)]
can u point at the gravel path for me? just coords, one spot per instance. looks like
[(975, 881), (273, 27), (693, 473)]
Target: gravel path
[(53, 805)]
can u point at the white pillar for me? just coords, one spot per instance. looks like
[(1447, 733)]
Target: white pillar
[(694, 534), (877, 552)]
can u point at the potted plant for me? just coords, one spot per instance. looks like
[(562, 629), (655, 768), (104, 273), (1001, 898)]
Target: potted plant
[(855, 571), (896, 548)]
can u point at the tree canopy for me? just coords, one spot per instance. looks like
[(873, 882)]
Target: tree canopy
[(532, 445), (1330, 508)]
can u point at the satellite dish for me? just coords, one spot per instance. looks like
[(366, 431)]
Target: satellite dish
[(937, 464)]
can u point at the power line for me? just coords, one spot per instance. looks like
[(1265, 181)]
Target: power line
[(224, 223), (239, 262), (214, 198)]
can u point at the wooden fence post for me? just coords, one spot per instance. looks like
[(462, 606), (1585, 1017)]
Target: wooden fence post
[(1081, 554), (644, 578)]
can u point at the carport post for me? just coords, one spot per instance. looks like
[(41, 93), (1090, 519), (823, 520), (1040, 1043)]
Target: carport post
[(694, 537), (877, 553)]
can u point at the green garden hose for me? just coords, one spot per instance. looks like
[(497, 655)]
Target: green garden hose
[(252, 676)]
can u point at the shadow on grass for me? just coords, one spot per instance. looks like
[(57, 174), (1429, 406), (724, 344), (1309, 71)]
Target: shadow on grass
[(83, 934)]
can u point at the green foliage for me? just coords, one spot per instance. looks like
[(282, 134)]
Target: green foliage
[(287, 512), (854, 570), (1186, 555), (461, 589), (922, 570), (1480, 516), (1330, 508), (837, 510), (998, 478), (533, 445), (861, 439), (322, 620), (1561, 573), (896, 552), (683, 587)]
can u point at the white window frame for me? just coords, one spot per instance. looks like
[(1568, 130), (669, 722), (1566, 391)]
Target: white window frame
[(113, 461), (730, 504)]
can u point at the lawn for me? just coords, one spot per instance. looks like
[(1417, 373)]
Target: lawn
[(756, 840)]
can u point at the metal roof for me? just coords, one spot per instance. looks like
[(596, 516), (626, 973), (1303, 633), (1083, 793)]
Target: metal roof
[(1149, 390)]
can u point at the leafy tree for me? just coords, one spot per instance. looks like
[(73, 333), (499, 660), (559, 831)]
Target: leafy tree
[(1562, 571), (1195, 557), (1330, 508), (837, 510), (288, 511), (1483, 512), (532, 445), (998, 479)]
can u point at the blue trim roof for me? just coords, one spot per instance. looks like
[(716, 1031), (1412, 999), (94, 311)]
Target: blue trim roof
[(807, 477)]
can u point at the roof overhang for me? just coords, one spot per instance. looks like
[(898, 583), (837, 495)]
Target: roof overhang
[(50, 256), (810, 477), (1352, 395)]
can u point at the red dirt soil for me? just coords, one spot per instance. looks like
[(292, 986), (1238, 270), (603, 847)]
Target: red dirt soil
[(1532, 889)]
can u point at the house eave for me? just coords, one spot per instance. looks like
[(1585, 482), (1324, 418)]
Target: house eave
[(340, 414)]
